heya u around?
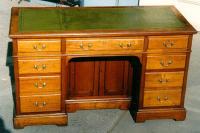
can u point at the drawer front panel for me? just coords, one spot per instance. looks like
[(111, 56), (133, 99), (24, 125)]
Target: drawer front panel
[(165, 61), (82, 45), (33, 45), (40, 103), (162, 98), (39, 85), (39, 65), (168, 42), (164, 79)]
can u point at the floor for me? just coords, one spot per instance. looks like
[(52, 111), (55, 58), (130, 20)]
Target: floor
[(97, 121)]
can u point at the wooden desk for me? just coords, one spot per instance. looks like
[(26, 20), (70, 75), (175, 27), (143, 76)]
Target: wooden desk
[(67, 59)]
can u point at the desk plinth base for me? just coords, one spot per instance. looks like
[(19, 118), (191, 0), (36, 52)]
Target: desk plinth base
[(177, 114), (60, 119), (106, 103)]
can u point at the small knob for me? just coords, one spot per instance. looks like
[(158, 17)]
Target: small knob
[(36, 85), (43, 46), (121, 45), (44, 66), (36, 104), (35, 47), (90, 45), (81, 45), (44, 104), (158, 98), (165, 98), (44, 84), (129, 45), (36, 67)]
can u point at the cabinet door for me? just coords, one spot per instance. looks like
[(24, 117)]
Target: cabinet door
[(114, 77), (83, 76)]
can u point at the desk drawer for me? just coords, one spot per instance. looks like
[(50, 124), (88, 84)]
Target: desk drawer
[(162, 98), (165, 61), (168, 42), (84, 45), (39, 65), (43, 103), (42, 45), (39, 85), (164, 79)]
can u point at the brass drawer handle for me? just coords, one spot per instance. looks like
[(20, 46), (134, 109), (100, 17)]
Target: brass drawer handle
[(165, 98), (44, 66), (90, 45), (168, 44), (37, 85), (163, 80), (42, 47), (43, 104), (167, 64)]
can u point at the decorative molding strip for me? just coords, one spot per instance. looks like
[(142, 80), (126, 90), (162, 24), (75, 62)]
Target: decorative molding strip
[(195, 2)]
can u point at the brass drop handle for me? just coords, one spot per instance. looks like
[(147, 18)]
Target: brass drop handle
[(165, 98), (37, 67), (43, 46), (163, 80), (160, 99), (43, 104), (166, 64), (168, 44), (43, 85)]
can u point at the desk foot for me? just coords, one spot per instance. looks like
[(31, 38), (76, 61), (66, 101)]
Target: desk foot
[(20, 121), (177, 114)]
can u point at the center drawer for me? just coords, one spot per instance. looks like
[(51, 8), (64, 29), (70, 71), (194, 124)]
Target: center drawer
[(39, 65), (103, 44), (41, 103), (41, 85)]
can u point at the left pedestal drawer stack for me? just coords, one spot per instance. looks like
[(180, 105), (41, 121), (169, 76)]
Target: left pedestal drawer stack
[(38, 82)]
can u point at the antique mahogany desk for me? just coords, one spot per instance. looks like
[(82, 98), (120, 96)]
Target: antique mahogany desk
[(68, 59)]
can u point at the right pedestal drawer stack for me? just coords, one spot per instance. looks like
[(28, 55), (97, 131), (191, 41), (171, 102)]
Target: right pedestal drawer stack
[(165, 70)]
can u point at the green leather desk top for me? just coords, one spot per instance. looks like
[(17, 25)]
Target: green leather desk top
[(39, 22), (64, 19)]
